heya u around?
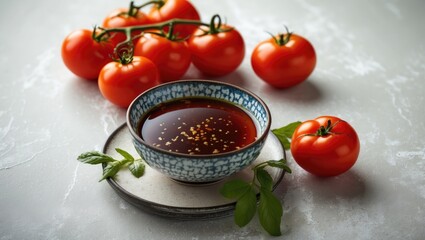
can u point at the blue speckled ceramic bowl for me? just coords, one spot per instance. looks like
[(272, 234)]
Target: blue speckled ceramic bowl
[(199, 168)]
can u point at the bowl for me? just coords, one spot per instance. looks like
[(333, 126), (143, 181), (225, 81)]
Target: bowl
[(198, 168)]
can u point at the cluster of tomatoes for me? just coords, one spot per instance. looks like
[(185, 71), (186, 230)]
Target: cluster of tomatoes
[(166, 40), (134, 50)]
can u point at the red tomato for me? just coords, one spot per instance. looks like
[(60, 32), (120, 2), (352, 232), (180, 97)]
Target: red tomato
[(84, 56), (217, 54), (122, 18), (122, 83), (325, 146), (171, 57), (284, 61), (170, 9)]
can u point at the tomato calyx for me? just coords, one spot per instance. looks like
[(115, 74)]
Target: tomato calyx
[(282, 38), (124, 53), (170, 35), (133, 10), (215, 27), (159, 4), (324, 131), (100, 38)]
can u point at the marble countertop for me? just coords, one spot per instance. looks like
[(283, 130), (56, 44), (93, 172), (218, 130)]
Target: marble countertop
[(370, 72)]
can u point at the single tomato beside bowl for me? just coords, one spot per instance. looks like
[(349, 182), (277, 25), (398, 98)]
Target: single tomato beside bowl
[(284, 60), (121, 83), (325, 146)]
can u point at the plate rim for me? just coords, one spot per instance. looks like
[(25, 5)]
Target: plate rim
[(182, 213)]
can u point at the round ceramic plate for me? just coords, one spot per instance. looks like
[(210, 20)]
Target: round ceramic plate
[(158, 194)]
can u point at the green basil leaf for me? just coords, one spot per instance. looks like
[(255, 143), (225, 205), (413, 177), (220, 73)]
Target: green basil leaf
[(234, 189), (94, 157), (284, 134), (111, 169), (137, 168), (289, 129), (286, 144), (270, 212), (125, 154), (246, 207), (264, 178), (280, 164)]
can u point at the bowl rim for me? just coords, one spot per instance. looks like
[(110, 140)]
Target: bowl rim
[(197, 156)]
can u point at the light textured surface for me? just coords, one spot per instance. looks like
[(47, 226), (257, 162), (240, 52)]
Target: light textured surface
[(370, 72)]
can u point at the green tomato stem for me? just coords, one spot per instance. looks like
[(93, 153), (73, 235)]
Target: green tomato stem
[(282, 38), (132, 10), (158, 26), (124, 50), (160, 3), (323, 131), (215, 24)]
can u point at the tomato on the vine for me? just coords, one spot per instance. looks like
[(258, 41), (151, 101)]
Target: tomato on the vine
[(325, 146), (169, 9), (125, 17), (217, 51), (284, 60), (172, 58), (121, 83), (83, 55)]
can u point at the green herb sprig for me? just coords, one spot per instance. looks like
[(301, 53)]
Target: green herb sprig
[(136, 166), (284, 134), (269, 207)]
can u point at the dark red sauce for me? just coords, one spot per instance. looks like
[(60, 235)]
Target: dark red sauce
[(197, 126)]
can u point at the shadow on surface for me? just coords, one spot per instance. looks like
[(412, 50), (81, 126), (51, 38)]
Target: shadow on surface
[(234, 77), (79, 90), (85, 103), (307, 91), (348, 186)]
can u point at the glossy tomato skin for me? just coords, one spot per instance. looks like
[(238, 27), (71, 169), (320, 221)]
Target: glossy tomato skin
[(121, 84), (83, 56), (217, 54), (119, 18), (172, 58), (284, 66), (182, 9), (328, 155)]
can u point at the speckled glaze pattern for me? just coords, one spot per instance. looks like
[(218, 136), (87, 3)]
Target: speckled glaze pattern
[(199, 168)]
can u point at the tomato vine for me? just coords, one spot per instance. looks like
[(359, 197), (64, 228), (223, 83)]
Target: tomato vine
[(100, 33)]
